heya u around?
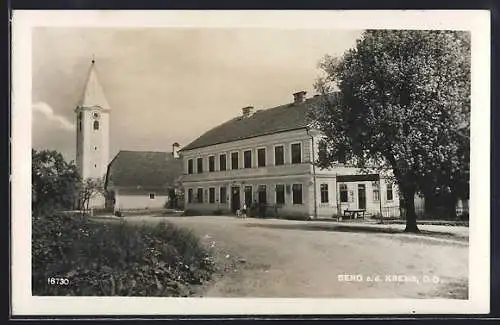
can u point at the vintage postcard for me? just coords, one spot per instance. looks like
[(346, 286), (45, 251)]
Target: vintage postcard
[(250, 162)]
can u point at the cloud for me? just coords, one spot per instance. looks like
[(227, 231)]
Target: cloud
[(52, 131), (49, 113)]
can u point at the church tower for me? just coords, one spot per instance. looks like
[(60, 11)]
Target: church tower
[(92, 129)]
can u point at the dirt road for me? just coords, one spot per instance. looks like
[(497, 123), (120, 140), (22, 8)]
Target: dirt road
[(281, 258)]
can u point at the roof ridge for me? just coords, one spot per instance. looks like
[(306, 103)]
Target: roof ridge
[(143, 151), (280, 118)]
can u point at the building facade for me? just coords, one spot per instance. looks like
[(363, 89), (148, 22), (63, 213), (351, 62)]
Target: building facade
[(265, 158)]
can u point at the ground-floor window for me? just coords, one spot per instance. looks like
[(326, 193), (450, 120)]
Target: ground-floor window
[(199, 195), (248, 195), (223, 195), (151, 196), (262, 194), (343, 193), (389, 192), (190, 195), (297, 193), (211, 195), (376, 191), (324, 193), (280, 194)]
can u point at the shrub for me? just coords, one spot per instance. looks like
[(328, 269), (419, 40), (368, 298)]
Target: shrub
[(116, 259), (192, 213), (55, 182), (297, 216)]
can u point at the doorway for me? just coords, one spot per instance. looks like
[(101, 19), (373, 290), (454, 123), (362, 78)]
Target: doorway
[(361, 197), (235, 198)]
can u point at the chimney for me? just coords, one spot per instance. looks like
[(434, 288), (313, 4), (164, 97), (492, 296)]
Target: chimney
[(298, 97), (247, 111), (175, 149)]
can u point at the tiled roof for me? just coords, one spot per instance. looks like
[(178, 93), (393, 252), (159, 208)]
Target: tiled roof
[(144, 169), (277, 119)]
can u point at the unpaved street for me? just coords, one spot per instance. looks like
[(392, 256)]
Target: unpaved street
[(281, 258)]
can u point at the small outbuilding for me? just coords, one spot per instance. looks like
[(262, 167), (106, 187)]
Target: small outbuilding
[(138, 180)]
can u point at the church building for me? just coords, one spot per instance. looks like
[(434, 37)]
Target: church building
[(132, 179), (92, 133)]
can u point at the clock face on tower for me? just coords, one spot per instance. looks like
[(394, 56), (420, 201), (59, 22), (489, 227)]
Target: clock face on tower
[(95, 115)]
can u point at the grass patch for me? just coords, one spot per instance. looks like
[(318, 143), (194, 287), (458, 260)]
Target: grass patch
[(116, 259)]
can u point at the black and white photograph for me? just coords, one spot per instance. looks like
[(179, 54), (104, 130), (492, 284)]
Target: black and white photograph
[(250, 162)]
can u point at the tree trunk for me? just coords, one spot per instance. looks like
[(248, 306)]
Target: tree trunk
[(409, 206), (452, 206)]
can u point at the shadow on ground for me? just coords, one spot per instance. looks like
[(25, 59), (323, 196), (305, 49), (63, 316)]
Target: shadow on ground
[(454, 290), (357, 229)]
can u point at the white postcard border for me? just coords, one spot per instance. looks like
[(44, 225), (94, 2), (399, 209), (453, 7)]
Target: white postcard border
[(478, 22)]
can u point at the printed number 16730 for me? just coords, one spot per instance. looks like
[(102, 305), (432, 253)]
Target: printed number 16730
[(58, 281)]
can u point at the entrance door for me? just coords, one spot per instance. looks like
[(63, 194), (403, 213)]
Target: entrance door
[(235, 198), (248, 196), (361, 197)]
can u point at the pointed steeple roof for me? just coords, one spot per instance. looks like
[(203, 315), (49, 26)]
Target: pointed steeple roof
[(93, 95)]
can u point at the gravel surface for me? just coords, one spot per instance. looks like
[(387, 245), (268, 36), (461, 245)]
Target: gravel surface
[(290, 259)]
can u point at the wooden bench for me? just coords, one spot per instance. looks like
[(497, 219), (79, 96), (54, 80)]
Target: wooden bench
[(354, 213)]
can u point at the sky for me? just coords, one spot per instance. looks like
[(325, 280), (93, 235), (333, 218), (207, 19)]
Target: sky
[(167, 85)]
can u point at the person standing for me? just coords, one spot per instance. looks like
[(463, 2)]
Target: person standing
[(244, 211)]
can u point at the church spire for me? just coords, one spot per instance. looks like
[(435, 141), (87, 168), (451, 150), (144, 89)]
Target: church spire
[(93, 94)]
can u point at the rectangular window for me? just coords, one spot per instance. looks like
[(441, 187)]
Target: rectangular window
[(211, 164), (190, 166), (222, 195), (190, 195), (211, 195), (248, 196), (261, 157), (199, 196), (199, 165), (376, 191), (279, 155), (296, 153), (262, 194), (151, 196), (343, 193), (389, 192), (297, 193), (247, 159), (324, 193), (234, 160), (222, 162), (280, 194)]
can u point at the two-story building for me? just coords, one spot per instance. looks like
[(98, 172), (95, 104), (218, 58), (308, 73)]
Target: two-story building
[(266, 157)]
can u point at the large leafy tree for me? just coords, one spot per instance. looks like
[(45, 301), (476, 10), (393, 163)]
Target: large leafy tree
[(402, 101), (55, 182)]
